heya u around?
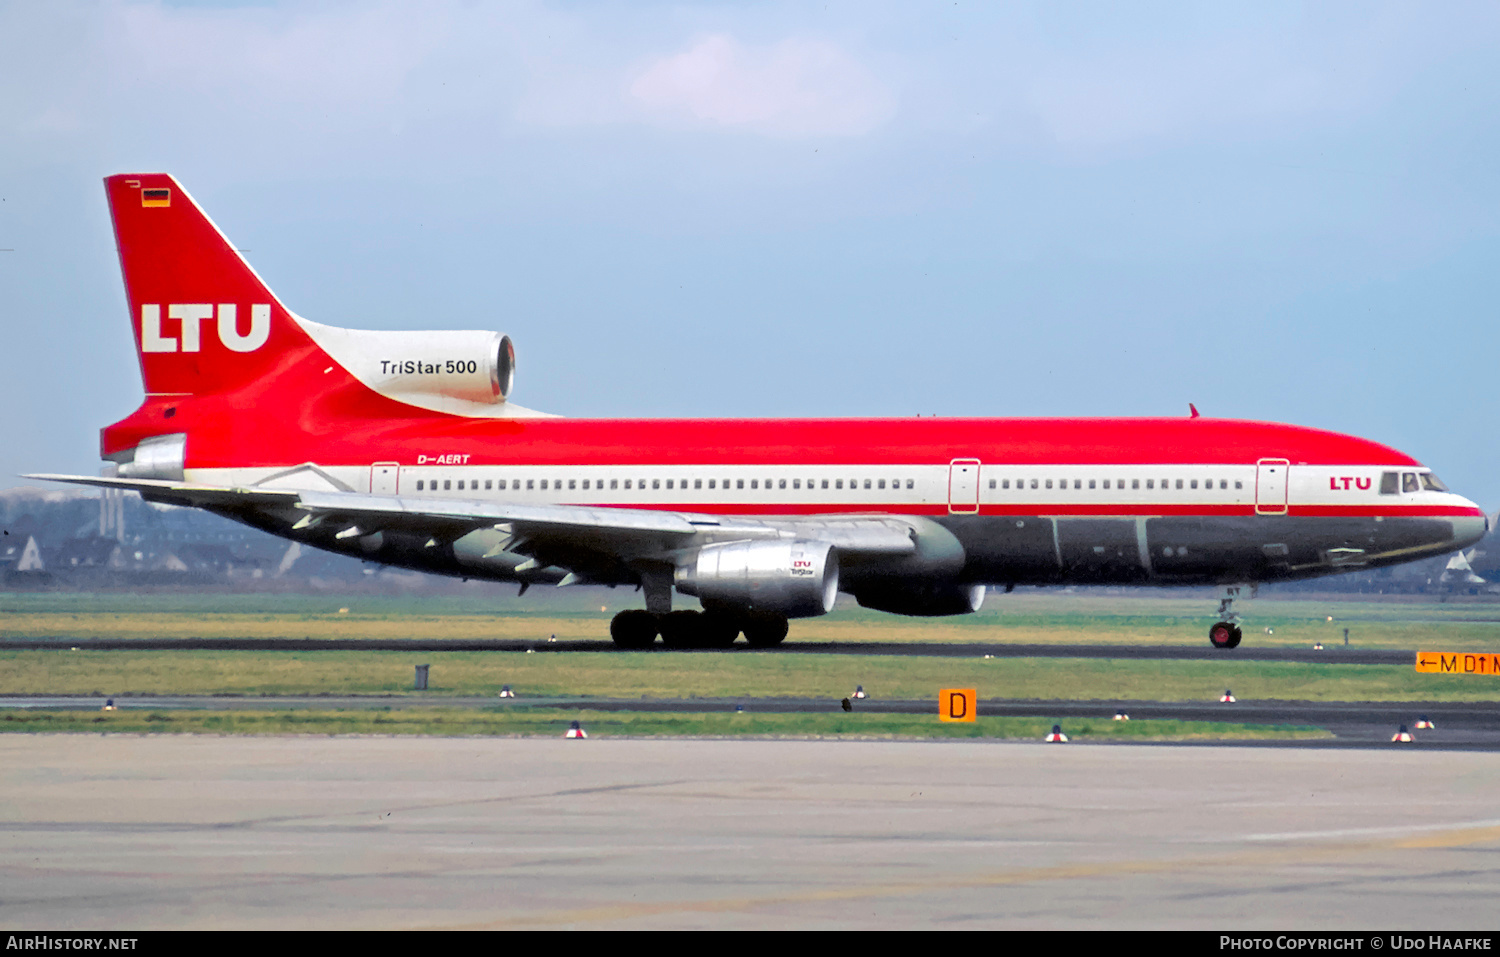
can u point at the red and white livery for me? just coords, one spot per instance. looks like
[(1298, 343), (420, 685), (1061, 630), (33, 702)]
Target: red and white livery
[(404, 448)]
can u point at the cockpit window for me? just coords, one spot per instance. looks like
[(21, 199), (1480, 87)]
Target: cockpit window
[(1389, 483), (1432, 483), (1409, 482)]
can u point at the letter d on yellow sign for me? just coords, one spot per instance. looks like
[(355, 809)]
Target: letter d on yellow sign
[(958, 704)]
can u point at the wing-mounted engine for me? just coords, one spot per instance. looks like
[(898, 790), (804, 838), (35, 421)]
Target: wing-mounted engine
[(921, 599), (467, 372), (792, 578)]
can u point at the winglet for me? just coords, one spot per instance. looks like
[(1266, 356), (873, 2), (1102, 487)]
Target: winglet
[(1193, 409)]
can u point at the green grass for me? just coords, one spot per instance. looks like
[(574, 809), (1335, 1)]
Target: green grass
[(736, 674), (1140, 617), (553, 723)]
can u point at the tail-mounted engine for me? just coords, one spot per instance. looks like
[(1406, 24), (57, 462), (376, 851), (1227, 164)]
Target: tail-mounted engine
[(791, 578), (439, 370)]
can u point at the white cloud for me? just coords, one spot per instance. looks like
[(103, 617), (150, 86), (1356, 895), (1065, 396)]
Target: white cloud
[(796, 87)]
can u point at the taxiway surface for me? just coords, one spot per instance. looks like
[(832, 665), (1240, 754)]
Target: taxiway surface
[(141, 832)]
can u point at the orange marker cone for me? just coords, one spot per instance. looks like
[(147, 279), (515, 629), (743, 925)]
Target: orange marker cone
[(1056, 736), (575, 730), (1403, 736)]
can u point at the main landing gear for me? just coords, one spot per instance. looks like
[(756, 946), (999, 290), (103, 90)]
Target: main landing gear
[(1226, 632), (637, 629)]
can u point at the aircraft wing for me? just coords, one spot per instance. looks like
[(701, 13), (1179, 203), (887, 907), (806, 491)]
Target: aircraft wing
[(555, 531)]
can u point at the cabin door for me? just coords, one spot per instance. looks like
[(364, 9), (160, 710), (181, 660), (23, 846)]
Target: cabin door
[(385, 478), (963, 486), (1270, 486)]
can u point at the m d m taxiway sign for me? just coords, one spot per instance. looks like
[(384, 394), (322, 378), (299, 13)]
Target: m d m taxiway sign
[(1458, 662)]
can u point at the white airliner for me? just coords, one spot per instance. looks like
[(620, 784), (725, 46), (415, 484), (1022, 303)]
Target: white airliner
[(403, 448)]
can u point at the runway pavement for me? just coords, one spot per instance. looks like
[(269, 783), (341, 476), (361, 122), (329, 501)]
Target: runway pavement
[(1333, 654), (142, 832), (1460, 726)]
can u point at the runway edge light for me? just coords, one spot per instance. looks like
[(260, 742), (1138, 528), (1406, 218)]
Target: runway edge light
[(1402, 736), (1056, 736), (575, 730), (1227, 697)]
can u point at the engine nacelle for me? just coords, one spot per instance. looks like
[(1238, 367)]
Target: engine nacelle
[(921, 599), (787, 577), (469, 366)]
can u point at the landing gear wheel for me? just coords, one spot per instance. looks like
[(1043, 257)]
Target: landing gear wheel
[(1224, 635), (682, 629), (634, 629), (719, 631), (766, 632)]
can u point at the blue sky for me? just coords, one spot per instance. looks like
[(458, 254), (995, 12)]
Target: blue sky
[(1276, 211)]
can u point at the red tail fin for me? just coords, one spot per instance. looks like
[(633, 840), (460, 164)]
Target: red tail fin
[(204, 321)]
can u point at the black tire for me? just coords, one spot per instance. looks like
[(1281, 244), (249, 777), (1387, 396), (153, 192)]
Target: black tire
[(1222, 635), (634, 629), (682, 629), (719, 630), (766, 632), (1235, 636)]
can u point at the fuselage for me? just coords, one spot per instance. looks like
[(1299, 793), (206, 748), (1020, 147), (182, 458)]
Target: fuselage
[(1033, 501)]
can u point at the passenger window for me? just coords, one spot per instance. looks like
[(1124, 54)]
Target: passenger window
[(992, 483), (447, 484), (669, 483), (739, 483), (1049, 483), (488, 484), (1239, 484), (911, 483), (1106, 483), (755, 483), (825, 483), (1194, 483), (1005, 483), (796, 483), (1093, 483), (1409, 482), (419, 485), (867, 483), (698, 483), (1033, 484), (1179, 483), (627, 483), (530, 484), (781, 484), (1150, 483), (656, 483), (1078, 483), (1135, 483), (882, 483), (838, 483)]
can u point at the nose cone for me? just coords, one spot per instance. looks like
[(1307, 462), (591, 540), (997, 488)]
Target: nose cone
[(1469, 528)]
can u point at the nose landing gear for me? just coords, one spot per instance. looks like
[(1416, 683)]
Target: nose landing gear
[(1226, 631), (1224, 635)]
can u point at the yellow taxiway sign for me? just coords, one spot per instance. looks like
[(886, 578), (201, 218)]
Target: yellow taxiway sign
[(1458, 662), (958, 704)]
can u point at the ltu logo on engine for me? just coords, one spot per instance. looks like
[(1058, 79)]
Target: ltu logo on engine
[(189, 330)]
